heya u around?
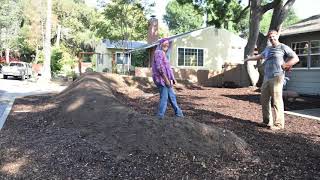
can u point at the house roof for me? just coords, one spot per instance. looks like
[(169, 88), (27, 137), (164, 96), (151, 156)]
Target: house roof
[(122, 44), (170, 38), (310, 24)]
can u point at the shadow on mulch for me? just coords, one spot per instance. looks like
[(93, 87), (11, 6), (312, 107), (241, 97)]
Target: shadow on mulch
[(300, 103), (276, 155), (282, 154)]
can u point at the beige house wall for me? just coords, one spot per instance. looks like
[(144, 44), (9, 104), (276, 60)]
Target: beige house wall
[(223, 59), (220, 47), (106, 58)]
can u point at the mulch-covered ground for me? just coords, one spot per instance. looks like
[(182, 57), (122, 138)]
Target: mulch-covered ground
[(102, 127)]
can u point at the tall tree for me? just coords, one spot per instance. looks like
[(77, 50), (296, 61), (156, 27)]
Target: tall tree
[(182, 18), (31, 37), (266, 20), (77, 23), (257, 9), (221, 13), (47, 45), (124, 20), (10, 20)]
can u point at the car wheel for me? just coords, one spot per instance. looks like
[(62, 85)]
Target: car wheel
[(5, 77)]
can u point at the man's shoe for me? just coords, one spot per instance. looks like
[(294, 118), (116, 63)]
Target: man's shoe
[(276, 128), (264, 125)]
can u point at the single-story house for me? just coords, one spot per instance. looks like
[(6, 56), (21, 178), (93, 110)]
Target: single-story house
[(304, 38), (113, 56), (208, 56)]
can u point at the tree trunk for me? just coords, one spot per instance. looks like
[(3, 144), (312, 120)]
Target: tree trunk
[(255, 18), (58, 35), (7, 54), (280, 13), (47, 47)]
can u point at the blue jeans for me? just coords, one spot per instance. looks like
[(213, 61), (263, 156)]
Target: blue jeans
[(167, 93)]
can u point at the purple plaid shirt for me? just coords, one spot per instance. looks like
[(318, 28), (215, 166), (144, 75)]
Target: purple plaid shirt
[(161, 65)]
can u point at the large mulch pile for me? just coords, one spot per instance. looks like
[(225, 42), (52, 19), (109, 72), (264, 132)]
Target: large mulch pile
[(102, 127)]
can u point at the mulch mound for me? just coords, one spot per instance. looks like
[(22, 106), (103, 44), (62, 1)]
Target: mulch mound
[(87, 132)]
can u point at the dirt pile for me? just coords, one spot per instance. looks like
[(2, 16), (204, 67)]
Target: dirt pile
[(89, 104)]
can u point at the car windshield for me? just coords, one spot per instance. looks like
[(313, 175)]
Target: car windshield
[(16, 64)]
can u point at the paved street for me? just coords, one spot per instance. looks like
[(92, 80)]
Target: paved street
[(14, 88)]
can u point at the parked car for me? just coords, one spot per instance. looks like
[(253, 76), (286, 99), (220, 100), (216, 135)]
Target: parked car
[(20, 70)]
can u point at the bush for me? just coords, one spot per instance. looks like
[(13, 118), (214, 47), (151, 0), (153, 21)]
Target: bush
[(72, 74), (62, 61), (138, 58), (105, 70), (56, 57), (89, 70)]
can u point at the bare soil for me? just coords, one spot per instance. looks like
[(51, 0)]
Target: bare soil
[(103, 127)]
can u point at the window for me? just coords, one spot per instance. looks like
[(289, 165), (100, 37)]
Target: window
[(100, 58), (122, 59), (190, 57), (301, 49), (315, 53), (308, 53)]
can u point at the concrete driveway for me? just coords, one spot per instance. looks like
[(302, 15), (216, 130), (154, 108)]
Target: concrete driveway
[(14, 88)]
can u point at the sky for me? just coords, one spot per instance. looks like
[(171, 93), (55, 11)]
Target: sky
[(303, 8)]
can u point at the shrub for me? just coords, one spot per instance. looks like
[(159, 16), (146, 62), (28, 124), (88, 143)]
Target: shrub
[(105, 70), (89, 70)]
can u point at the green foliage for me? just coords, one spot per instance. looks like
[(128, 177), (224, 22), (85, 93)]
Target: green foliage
[(89, 70), (291, 19), (105, 70), (10, 21), (56, 56), (182, 18), (266, 20), (123, 20), (138, 58), (221, 13), (62, 61), (78, 25), (71, 74)]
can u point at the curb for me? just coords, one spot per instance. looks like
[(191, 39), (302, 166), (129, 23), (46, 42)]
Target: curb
[(9, 104)]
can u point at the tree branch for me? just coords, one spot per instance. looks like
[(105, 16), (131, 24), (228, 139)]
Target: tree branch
[(288, 4), (236, 20), (267, 7)]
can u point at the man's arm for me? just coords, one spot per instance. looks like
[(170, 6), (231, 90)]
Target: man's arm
[(291, 62), (254, 58)]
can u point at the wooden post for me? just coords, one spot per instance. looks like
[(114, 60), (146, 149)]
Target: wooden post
[(80, 60)]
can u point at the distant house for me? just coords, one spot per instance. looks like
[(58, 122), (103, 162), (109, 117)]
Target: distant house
[(304, 38), (112, 55), (208, 56)]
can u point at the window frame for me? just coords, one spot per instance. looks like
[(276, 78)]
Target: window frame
[(307, 55), (184, 56), (313, 54), (129, 57)]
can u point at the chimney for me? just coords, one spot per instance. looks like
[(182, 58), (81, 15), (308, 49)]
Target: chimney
[(153, 34)]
